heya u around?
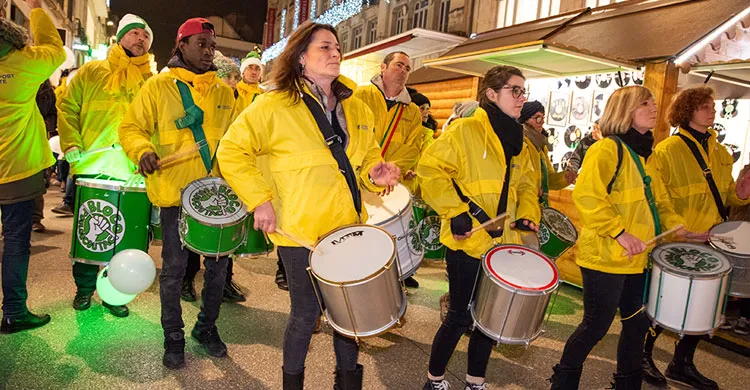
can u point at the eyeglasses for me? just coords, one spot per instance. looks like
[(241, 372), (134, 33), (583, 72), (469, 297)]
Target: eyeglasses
[(517, 91), (538, 119)]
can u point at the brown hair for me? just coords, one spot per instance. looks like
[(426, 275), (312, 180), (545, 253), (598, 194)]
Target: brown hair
[(618, 113), (495, 79), (686, 103), (286, 75), (389, 57)]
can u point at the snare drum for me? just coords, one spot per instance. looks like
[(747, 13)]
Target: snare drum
[(212, 221), (556, 233), (687, 288), (733, 240), (357, 278), (395, 214), (428, 227), (256, 242), (515, 286), (110, 216)]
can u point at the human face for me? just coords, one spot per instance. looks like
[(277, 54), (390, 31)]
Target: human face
[(425, 111), (704, 115), (198, 51), (322, 58), (251, 74), (644, 117), (504, 97), (136, 41), (536, 121), (396, 72), (231, 79)]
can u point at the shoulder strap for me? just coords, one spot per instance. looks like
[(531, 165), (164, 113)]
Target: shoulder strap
[(194, 120), (619, 163), (544, 198), (650, 199), (391, 129), (708, 175), (476, 211)]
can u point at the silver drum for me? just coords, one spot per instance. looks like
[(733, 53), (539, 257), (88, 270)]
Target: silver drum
[(356, 273), (733, 240), (515, 286)]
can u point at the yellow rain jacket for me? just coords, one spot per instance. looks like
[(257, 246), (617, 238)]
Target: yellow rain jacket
[(149, 126), (246, 94), (555, 180), (687, 187), (459, 154), (24, 150), (309, 194), (604, 215), (91, 112), (60, 92)]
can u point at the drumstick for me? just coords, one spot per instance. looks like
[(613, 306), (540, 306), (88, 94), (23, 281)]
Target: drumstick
[(657, 238), (490, 222), (174, 157), (99, 150), (298, 241)]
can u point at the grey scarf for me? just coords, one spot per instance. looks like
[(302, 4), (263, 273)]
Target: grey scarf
[(536, 137)]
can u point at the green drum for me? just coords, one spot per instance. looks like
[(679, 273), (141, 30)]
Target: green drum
[(428, 227), (256, 242), (556, 233), (212, 221), (155, 225), (110, 216)]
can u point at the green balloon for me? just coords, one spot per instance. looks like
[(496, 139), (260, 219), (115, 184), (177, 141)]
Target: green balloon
[(108, 293)]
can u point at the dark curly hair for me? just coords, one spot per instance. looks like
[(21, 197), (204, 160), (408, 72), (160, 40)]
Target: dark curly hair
[(686, 103)]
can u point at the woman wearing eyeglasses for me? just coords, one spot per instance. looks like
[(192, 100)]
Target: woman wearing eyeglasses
[(482, 159)]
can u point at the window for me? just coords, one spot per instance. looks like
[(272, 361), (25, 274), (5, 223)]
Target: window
[(372, 31), (400, 20), (420, 14), (357, 38), (510, 12), (344, 42), (445, 9)]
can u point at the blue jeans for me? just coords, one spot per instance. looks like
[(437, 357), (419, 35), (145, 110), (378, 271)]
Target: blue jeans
[(16, 219)]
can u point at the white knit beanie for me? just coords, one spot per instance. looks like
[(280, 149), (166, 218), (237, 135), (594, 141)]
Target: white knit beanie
[(129, 22)]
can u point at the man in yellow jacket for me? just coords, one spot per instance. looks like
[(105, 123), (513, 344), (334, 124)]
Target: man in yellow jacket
[(91, 110), (148, 133), (248, 89), (398, 122), (689, 191), (24, 153)]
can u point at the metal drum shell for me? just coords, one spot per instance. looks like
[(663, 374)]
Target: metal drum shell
[(740, 285), (236, 232)]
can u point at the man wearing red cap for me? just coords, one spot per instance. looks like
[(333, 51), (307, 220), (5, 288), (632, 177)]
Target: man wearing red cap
[(149, 132)]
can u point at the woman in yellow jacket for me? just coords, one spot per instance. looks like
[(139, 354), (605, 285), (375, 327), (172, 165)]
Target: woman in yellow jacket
[(481, 159), (619, 213), (310, 193), (693, 113), (24, 153)]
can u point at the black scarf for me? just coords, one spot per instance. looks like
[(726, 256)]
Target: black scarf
[(702, 138), (643, 144), (507, 129)]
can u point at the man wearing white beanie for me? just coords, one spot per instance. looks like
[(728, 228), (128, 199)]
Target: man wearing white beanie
[(90, 113), (248, 89)]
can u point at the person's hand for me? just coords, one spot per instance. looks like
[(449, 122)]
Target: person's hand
[(571, 176), (743, 184), (73, 155), (632, 244), (525, 225), (461, 226), (385, 174), (409, 175), (265, 218), (149, 163), (34, 3), (691, 236)]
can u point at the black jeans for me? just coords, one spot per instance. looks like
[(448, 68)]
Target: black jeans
[(38, 210), (603, 293), (194, 265), (84, 276), (462, 273), (174, 260), (305, 312), (16, 219)]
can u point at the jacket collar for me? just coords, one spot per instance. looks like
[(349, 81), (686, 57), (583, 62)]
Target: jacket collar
[(402, 97)]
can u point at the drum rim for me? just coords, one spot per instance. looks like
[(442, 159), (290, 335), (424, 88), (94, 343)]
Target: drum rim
[(401, 212), (722, 250), (564, 217), (548, 287), (239, 217), (86, 182), (391, 261), (669, 269)]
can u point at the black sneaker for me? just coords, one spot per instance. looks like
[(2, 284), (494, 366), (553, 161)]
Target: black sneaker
[(210, 340), (281, 280), (232, 293), (188, 291), (82, 301), (436, 385), (474, 386), (28, 321), (411, 282), (174, 351), (117, 311), (63, 209)]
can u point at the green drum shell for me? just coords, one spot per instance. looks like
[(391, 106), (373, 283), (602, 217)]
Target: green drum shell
[(133, 205), (256, 243), (210, 240), (421, 212), (554, 246)]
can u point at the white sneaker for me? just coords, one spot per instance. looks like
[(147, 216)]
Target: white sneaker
[(742, 326), (727, 324)]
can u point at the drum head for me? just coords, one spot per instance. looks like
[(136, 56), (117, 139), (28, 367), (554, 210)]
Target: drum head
[(521, 268), (690, 259), (352, 253), (559, 224), (210, 200), (114, 185), (383, 208), (733, 238)]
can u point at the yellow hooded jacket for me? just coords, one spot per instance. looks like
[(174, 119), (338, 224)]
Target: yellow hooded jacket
[(470, 153), (149, 126), (246, 93), (310, 195), (90, 116), (24, 150), (687, 188), (604, 215)]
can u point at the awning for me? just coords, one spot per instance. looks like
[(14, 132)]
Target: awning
[(730, 79)]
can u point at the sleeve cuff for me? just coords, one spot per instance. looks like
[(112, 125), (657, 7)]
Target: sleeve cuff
[(619, 234)]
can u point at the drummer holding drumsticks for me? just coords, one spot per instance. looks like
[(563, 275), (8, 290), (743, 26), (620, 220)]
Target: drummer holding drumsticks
[(317, 178), (691, 194)]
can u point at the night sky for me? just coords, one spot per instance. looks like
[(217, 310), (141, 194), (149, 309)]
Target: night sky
[(166, 16)]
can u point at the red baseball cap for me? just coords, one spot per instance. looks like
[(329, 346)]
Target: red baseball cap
[(195, 26)]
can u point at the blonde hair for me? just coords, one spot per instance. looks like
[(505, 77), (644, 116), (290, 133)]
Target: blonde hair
[(618, 114)]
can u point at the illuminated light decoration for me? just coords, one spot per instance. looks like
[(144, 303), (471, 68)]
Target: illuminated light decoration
[(335, 15), (295, 21), (282, 29), (313, 8), (710, 37)]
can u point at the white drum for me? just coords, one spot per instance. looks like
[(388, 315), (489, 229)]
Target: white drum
[(515, 287), (733, 240), (357, 278), (687, 288), (394, 213)]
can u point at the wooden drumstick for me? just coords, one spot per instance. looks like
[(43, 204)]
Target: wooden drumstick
[(657, 238), (298, 241), (100, 150), (169, 160), (490, 222)]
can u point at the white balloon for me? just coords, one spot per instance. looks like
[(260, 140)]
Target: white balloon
[(54, 144), (131, 271)]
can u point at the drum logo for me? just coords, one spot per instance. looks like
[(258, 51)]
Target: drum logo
[(692, 260), (215, 202), (429, 230), (100, 225), (543, 234), (345, 237)]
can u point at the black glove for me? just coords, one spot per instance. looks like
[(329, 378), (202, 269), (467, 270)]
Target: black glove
[(461, 224), (523, 227)]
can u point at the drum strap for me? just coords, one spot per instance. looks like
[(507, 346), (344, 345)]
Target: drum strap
[(708, 175), (646, 187), (544, 198), (386, 141), (336, 145), (194, 120), (619, 163), (477, 212)]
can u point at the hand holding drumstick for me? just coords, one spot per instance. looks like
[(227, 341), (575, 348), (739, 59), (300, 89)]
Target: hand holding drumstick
[(150, 162), (634, 246)]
